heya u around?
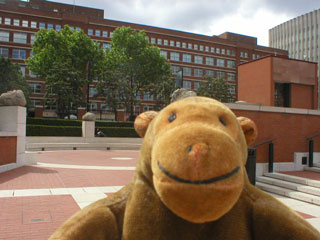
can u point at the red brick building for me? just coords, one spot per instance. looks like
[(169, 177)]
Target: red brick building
[(197, 55), (280, 82)]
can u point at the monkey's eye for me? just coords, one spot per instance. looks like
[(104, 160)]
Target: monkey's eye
[(223, 121), (172, 117)]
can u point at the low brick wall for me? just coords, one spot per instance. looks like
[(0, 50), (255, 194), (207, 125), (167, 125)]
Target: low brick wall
[(291, 127)]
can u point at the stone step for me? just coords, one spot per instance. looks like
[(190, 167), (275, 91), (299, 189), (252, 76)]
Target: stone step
[(289, 185), (294, 179), (312, 169), (81, 146), (289, 193), (316, 165)]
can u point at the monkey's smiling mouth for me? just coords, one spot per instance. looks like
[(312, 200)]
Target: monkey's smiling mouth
[(198, 182)]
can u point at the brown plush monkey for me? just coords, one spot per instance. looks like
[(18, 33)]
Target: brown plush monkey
[(190, 183)]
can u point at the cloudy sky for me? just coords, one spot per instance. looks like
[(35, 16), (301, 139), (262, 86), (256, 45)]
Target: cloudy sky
[(207, 17)]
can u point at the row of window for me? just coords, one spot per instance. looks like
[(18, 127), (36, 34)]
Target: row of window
[(17, 53), (196, 72), (197, 59), (192, 46), (18, 37)]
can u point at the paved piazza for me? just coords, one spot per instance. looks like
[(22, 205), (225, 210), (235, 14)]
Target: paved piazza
[(35, 200)]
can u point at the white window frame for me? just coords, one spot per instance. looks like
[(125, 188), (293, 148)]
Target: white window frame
[(186, 58), (33, 24), (209, 61), (25, 23), (4, 36), (198, 59), (175, 56), (7, 21), (19, 37)]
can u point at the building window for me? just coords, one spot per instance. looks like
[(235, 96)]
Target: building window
[(159, 40), (98, 33), (147, 96), (20, 37), (164, 54), (195, 46), (231, 77), (209, 61), (223, 51), (207, 49), (35, 102), (232, 89), (78, 29), (212, 49), (4, 52), (210, 73), (218, 50), (201, 48), (196, 85), (174, 56), (147, 108), (42, 25), (0, 19), (186, 58), (228, 52), (244, 54), (111, 34), (153, 41), (90, 32), (58, 27), (165, 42), (106, 45), (178, 44), (231, 64), (186, 71), (50, 26), (71, 27), (220, 74), (32, 75), (4, 36), (198, 59), (175, 69), (186, 84), (19, 54), (105, 34), (16, 22), (190, 45), (93, 107), (233, 53), (171, 43), (33, 24), (35, 87), (93, 92), (32, 38), (220, 62), (184, 45), (25, 23), (198, 72), (7, 21)]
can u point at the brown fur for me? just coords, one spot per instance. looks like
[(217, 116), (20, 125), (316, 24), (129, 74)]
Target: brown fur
[(169, 198)]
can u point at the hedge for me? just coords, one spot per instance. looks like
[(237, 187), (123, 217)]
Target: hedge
[(45, 130), (66, 122), (72, 131)]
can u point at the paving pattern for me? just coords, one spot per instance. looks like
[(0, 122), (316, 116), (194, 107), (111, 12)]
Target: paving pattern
[(35, 200)]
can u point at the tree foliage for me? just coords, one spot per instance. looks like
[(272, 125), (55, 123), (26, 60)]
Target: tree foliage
[(132, 67), (11, 77), (163, 91), (216, 88), (61, 58)]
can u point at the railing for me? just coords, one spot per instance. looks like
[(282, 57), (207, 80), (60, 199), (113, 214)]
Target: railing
[(311, 144), (271, 152)]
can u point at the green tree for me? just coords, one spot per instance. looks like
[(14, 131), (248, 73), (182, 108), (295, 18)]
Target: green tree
[(11, 77), (62, 58), (216, 88), (162, 92), (133, 67)]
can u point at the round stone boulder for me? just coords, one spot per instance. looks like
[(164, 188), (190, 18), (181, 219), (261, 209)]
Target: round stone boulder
[(13, 98), (89, 116)]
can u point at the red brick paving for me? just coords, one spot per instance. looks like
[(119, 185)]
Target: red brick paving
[(304, 174), (34, 218), (89, 158), (32, 177), (304, 215)]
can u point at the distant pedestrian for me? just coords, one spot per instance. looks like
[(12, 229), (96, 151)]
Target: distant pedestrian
[(99, 133)]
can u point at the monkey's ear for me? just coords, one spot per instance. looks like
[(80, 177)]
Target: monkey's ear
[(249, 129), (142, 122)]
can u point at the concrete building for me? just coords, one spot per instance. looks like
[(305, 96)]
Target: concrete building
[(197, 55), (299, 36), (280, 82)]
